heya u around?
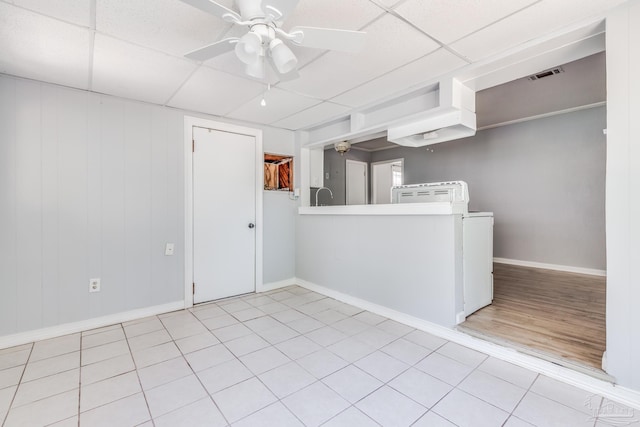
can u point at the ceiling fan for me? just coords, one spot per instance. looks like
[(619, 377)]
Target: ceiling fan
[(264, 40)]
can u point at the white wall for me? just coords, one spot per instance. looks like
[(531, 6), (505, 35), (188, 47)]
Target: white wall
[(623, 201), (92, 186), (280, 214)]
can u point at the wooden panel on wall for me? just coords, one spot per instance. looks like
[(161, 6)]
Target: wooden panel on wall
[(137, 194), (50, 188), (159, 200), (174, 228), (72, 135), (111, 134), (28, 206), (94, 198), (8, 277)]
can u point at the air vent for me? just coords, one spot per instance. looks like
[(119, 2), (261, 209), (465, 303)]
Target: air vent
[(423, 193), (547, 73)]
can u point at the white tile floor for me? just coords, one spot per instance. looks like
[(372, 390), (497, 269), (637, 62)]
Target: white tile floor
[(286, 358)]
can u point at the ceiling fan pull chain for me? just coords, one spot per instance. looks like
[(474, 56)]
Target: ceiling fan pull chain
[(263, 103)]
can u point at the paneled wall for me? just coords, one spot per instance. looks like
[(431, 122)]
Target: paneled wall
[(93, 186)]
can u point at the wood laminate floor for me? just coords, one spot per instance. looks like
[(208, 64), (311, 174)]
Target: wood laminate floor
[(557, 313)]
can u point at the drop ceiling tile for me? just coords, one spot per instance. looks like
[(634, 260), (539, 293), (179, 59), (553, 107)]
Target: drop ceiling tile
[(340, 14), (390, 44), (215, 92), (131, 71), (450, 20), (42, 48), (535, 21), (77, 12), (312, 116), (411, 75), (387, 3), (280, 104), (167, 25)]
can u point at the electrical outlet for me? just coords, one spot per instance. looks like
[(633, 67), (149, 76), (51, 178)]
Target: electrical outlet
[(168, 249), (94, 285)]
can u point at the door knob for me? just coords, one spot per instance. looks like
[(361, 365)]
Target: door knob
[(251, 225)]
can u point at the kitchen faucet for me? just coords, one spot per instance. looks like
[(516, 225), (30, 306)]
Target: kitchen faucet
[(323, 188)]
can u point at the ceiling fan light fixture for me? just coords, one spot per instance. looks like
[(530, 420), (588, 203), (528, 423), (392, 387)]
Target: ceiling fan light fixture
[(284, 60), (248, 48), (256, 69), (342, 147)]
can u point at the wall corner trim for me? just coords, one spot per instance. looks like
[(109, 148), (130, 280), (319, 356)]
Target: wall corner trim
[(85, 325), (265, 287)]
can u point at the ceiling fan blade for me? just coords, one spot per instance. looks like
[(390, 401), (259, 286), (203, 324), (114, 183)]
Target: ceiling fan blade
[(279, 9), (213, 8), (328, 38), (215, 49)]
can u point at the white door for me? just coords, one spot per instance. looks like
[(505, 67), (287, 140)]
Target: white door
[(356, 183), (224, 212), (385, 175)]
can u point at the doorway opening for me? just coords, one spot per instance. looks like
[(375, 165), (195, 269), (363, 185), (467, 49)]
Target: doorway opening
[(555, 315), (357, 183), (384, 176)]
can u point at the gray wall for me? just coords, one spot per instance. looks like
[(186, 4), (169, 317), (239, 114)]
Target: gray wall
[(544, 180), (583, 82), (336, 166), (92, 186)]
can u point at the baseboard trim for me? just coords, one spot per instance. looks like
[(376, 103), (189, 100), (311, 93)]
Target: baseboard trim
[(85, 325), (586, 382), (556, 267), (277, 285)]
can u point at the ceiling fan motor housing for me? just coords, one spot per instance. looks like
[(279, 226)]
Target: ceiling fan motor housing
[(250, 9)]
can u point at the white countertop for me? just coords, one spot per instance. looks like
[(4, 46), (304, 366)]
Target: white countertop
[(391, 209)]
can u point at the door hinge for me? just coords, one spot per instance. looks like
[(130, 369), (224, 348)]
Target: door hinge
[(193, 289), (193, 145)]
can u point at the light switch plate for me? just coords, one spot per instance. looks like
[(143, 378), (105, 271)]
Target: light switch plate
[(168, 249)]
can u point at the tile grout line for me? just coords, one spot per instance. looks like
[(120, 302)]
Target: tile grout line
[(195, 374), (135, 365), (528, 390), (80, 377), (15, 393), (254, 376)]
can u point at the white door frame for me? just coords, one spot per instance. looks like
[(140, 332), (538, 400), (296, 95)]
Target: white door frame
[(366, 180), (373, 175), (189, 123)]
